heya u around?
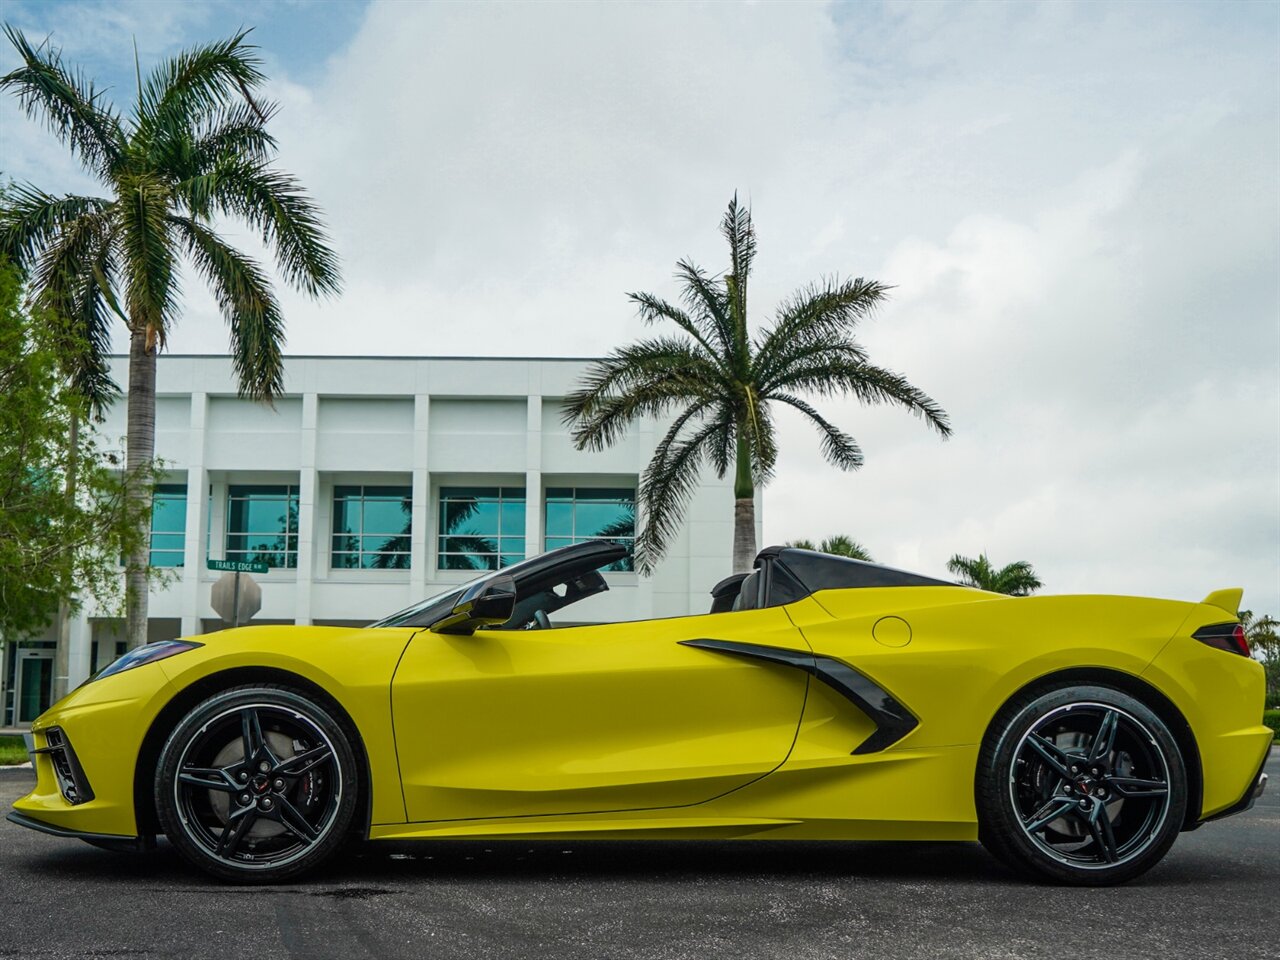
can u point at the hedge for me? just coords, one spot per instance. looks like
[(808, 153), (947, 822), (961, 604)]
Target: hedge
[(1272, 719)]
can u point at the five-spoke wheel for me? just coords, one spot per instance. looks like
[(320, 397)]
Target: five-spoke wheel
[(1083, 785), (256, 784)]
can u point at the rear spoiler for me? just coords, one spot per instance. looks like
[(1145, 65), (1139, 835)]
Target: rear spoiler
[(1228, 600)]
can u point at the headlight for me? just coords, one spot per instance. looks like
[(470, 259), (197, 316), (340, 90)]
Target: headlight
[(149, 653)]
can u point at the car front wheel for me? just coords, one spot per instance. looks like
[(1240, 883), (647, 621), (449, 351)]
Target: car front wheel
[(257, 784), (1082, 785)]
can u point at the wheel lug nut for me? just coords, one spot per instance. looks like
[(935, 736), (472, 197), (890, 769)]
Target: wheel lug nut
[(265, 803), (278, 785), (244, 798), (264, 766), (243, 776)]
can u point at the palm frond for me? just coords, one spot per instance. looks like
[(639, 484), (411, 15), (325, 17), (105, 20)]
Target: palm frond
[(736, 227), (151, 283), (708, 300), (647, 378), (236, 131), (71, 107), (73, 278), (840, 449), (843, 545), (665, 490), (720, 442), (201, 79), (776, 368), (248, 304), (653, 309), (817, 313), (31, 220), (274, 203), (871, 385), (1016, 579)]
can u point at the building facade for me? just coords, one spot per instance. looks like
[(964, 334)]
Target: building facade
[(372, 483)]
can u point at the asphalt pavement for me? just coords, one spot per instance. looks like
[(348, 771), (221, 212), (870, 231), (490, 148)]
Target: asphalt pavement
[(1216, 895)]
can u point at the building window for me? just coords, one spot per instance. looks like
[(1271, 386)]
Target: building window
[(575, 514), (481, 528), (262, 524), (371, 527), (168, 525)]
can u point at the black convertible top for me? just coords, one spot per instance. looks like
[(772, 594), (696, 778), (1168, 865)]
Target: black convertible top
[(787, 574)]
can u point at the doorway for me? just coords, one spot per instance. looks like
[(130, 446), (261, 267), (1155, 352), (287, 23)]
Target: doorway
[(33, 683)]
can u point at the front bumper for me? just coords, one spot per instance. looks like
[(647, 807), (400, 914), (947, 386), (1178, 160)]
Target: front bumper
[(114, 841), (85, 750)]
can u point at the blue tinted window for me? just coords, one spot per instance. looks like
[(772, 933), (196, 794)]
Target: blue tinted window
[(481, 528), (262, 524), (372, 527), (168, 525), (575, 514)]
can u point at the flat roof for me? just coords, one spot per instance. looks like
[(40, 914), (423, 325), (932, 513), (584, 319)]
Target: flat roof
[(364, 356)]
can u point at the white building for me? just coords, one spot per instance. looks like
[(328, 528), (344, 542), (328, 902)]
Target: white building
[(375, 482)]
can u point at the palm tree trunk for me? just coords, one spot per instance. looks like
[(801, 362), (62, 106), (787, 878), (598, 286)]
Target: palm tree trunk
[(744, 510), (141, 445), (62, 652)]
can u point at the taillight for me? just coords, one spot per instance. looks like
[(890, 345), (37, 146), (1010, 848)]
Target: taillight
[(1224, 636)]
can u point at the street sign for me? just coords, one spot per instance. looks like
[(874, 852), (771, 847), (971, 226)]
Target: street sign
[(236, 597), (238, 566)]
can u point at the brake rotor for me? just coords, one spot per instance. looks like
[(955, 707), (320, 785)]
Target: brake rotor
[(283, 747)]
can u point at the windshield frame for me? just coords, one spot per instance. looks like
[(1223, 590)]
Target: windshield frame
[(400, 617), (567, 561)]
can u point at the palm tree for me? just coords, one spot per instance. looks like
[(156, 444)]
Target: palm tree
[(722, 383), (193, 148), (839, 545), (1263, 634), (1017, 579)]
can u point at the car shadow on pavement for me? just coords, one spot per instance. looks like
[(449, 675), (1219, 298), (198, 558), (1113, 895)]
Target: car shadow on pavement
[(606, 860), (364, 868)]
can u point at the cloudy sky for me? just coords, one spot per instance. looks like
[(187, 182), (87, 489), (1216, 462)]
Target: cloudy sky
[(1078, 205)]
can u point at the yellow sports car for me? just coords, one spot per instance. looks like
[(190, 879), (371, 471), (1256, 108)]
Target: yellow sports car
[(819, 698)]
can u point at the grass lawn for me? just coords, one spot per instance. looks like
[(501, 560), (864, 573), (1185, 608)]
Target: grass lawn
[(12, 751)]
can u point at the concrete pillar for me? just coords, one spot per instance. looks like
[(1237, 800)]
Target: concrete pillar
[(420, 534), (195, 545), (78, 664), (308, 493), (533, 509), (647, 440)]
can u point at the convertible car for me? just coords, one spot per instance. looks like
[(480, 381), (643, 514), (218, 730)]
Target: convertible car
[(818, 698)]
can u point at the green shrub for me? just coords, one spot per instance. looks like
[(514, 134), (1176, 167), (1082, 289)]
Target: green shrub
[(12, 750), (1272, 719)]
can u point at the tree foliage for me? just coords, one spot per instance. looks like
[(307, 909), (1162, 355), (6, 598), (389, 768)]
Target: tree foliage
[(193, 149), (1263, 634), (191, 154), (721, 380), (1017, 579), (52, 547), (838, 545)]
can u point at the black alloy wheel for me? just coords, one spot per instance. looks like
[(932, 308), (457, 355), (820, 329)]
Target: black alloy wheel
[(1082, 785), (257, 784)]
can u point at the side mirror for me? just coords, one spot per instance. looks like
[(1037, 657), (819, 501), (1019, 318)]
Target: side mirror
[(485, 604)]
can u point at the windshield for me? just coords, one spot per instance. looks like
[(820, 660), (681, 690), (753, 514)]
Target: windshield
[(410, 614)]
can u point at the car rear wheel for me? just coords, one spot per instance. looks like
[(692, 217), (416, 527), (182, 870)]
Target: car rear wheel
[(1082, 785), (257, 784)]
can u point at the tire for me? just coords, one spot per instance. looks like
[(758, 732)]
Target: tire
[(1080, 785), (282, 813)]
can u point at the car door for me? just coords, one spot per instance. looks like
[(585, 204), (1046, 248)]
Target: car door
[(591, 719)]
